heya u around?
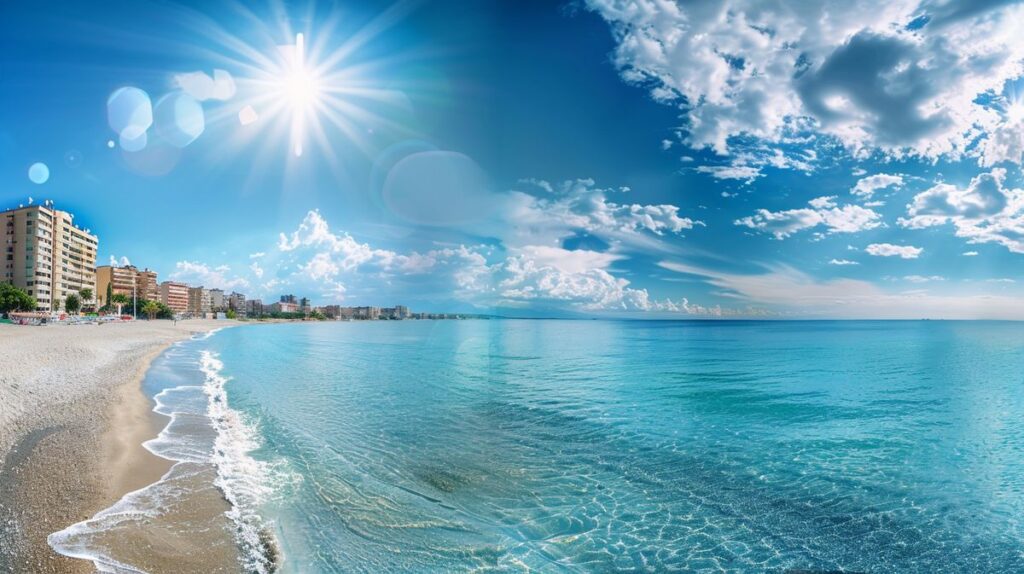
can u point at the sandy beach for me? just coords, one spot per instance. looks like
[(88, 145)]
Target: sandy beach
[(72, 421)]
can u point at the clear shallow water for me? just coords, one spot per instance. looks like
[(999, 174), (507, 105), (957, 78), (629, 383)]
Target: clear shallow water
[(599, 446), (639, 446)]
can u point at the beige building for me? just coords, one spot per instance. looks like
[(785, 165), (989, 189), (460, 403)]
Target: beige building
[(174, 295), (127, 281), (146, 285), (120, 279), (200, 300), (47, 255)]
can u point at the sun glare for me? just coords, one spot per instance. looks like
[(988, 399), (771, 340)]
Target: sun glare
[(317, 91), (300, 88), (1015, 112)]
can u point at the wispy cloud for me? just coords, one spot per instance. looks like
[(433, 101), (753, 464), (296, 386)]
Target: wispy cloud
[(890, 250)]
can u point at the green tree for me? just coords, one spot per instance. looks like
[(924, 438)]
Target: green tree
[(86, 294), (151, 308), (119, 299), (231, 314), (162, 310), (14, 299), (110, 294), (72, 303)]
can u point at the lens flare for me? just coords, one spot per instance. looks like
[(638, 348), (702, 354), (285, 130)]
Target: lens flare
[(179, 119), (319, 89), (130, 114), (39, 173)]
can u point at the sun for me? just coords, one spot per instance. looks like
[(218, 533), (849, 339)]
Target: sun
[(300, 87), (322, 92)]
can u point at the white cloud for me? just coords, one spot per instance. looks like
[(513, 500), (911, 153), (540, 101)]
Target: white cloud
[(853, 70), (338, 251), (890, 250), (540, 183), (867, 186), (522, 279), (923, 278), (569, 261), (970, 254), (796, 293), (579, 205), (315, 257), (1006, 141), (200, 274), (520, 258), (744, 172), (123, 262), (984, 212), (221, 86), (842, 262), (821, 211)]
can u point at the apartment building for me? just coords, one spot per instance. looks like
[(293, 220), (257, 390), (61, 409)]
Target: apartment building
[(46, 254), (200, 301), (283, 307), (114, 280), (146, 285), (254, 307), (174, 295), (217, 301), (236, 302)]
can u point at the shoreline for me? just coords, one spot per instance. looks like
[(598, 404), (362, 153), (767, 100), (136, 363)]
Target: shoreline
[(71, 440), (132, 422)]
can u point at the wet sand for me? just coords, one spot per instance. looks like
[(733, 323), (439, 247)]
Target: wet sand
[(73, 418)]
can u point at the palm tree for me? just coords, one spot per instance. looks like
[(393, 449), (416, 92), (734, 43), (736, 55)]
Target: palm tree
[(86, 295), (119, 299), (151, 309)]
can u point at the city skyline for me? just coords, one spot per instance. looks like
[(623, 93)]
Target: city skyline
[(868, 168)]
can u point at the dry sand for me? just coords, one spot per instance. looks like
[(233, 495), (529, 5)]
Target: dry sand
[(72, 421)]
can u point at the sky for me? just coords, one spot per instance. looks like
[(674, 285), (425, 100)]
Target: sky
[(608, 158)]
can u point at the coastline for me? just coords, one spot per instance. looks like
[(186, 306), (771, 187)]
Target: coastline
[(73, 417)]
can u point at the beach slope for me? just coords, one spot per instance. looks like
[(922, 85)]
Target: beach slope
[(72, 421)]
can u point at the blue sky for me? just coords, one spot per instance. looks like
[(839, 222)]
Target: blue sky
[(636, 158)]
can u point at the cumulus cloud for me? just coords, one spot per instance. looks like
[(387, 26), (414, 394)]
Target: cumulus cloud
[(521, 255), (867, 186), (563, 278), (580, 206), (123, 262), (890, 250), (514, 274), (820, 211), (853, 71), (199, 85), (201, 274), (986, 211), (578, 279)]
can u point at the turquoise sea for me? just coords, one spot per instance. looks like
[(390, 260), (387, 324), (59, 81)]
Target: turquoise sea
[(618, 446)]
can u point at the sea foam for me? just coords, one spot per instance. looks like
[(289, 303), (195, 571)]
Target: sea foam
[(203, 432), (245, 481)]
